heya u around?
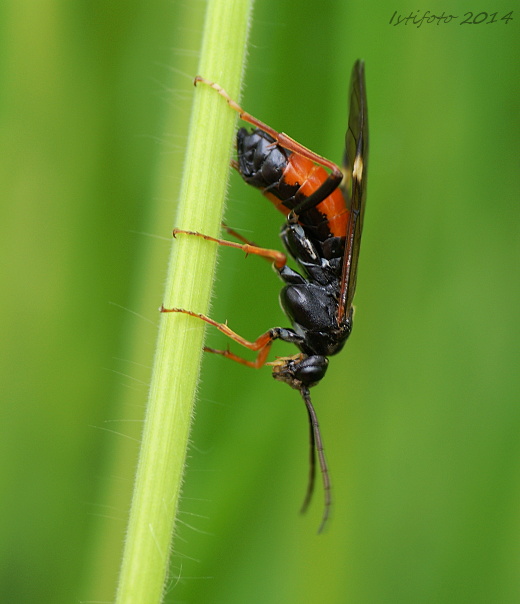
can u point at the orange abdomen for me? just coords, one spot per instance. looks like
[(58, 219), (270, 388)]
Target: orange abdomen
[(308, 176)]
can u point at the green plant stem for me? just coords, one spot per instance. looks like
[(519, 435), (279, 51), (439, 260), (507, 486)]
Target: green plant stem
[(179, 345)]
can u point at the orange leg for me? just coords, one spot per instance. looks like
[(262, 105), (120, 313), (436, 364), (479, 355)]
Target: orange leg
[(261, 345), (237, 235), (285, 141), (278, 259), (282, 139)]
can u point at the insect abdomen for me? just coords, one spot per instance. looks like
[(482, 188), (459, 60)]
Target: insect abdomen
[(286, 179)]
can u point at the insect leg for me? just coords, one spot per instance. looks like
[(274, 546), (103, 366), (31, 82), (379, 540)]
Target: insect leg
[(285, 141), (277, 258), (262, 344), (237, 235)]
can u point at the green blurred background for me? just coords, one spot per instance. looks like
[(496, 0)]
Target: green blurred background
[(420, 413)]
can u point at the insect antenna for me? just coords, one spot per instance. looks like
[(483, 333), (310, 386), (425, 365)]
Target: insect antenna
[(312, 467), (316, 446)]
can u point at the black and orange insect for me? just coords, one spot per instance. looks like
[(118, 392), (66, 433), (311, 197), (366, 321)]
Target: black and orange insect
[(322, 232)]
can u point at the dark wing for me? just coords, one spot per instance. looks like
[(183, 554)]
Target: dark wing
[(354, 184)]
